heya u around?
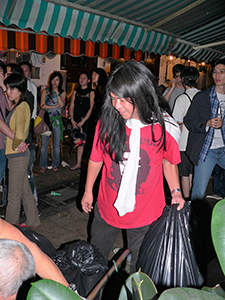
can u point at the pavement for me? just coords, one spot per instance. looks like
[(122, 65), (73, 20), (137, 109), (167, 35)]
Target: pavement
[(62, 219)]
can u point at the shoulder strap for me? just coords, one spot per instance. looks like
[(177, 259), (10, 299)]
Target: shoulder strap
[(184, 93)]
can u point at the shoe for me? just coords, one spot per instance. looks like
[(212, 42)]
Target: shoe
[(42, 170), (215, 197), (55, 169), (23, 225), (75, 169)]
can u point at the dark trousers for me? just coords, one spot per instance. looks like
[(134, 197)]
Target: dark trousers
[(105, 235)]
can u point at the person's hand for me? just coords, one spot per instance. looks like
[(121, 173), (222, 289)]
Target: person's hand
[(22, 147), (178, 199), (74, 124), (215, 123), (86, 202), (173, 83), (2, 81), (80, 124)]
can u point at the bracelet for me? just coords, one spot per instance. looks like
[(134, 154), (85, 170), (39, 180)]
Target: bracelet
[(58, 95), (174, 191)]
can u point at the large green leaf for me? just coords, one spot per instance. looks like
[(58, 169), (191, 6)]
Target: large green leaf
[(147, 287), (47, 289), (218, 232), (188, 293), (218, 290), (136, 290)]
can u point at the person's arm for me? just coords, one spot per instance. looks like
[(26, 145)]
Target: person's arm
[(74, 124), (43, 105), (92, 173), (22, 147), (45, 267), (88, 114), (172, 177), (173, 85), (61, 99)]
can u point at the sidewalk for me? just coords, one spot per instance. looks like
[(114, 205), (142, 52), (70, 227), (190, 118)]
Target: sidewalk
[(62, 219)]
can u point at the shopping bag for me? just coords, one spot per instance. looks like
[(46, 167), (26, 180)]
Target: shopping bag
[(42, 123), (166, 254)]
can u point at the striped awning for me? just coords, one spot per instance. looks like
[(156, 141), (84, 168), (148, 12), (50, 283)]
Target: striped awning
[(43, 43), (109, 23)]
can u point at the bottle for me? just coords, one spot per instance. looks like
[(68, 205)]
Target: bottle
[(219, 115), (55, 193), (66, 112)]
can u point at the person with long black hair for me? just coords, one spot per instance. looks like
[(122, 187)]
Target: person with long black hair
[(53, 100), (18, 121), (135, 143)]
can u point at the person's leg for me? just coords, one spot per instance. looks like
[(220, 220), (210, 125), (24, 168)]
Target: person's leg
[(221, 163), (135, 237), (28, 201), (17, 173), (216, 182), (2, 164), (56, 146), (31, 175), (80, 151), (202, 174), (44, 151), (103, 236), (185, 183)]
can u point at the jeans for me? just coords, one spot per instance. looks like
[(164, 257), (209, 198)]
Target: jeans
[(2, 163), (219, 181), (56, 148), (204, 170)]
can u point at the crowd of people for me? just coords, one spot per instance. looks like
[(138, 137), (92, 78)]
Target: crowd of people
[(141, 134)]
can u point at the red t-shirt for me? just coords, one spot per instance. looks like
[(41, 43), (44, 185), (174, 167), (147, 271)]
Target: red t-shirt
[(150, 197)]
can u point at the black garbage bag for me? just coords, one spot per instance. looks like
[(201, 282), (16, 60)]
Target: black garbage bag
[(166, 253), (41, 241), (81, 263)]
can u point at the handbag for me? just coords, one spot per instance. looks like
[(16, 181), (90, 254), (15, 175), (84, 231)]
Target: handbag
[(78, 136), (42, 123)]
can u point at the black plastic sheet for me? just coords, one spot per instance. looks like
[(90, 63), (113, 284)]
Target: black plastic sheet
[(166, 253), (81, 263)]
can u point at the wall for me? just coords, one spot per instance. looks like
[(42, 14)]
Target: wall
[(47, 66)]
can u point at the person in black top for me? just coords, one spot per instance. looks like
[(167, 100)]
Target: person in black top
[(82, 103)]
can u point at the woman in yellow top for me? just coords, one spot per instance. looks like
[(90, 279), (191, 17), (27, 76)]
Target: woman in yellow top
[(18, 121)]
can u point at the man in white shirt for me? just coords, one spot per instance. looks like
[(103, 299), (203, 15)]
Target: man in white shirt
[(189, 77)]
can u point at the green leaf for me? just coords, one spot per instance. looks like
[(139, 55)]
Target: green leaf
[(215, 290), (148, 289), (218, 232), (136, 289), (188, 293), (47, 289)]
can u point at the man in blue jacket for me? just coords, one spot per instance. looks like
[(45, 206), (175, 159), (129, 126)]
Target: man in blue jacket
[(206, 124)]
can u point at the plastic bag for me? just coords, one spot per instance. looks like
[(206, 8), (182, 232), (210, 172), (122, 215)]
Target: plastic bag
[(81, 263), (41, 241), (166, 253)]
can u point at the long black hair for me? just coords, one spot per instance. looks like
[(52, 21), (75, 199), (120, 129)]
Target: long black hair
[(52, 76), (134, 81), (17, 80)]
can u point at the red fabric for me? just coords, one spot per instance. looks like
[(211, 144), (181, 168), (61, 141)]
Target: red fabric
[(150, 198)]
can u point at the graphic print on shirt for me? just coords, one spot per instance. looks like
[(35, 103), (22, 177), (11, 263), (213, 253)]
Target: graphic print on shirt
[(116, 170)]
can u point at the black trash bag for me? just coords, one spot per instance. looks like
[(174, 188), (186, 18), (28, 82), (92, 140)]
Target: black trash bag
[(81, 263), (166, 253), (41, 241)]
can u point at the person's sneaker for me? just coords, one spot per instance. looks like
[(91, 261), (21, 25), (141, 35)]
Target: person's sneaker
[(215, 197)]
